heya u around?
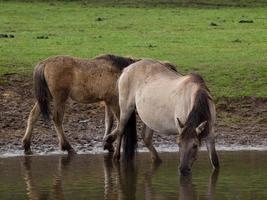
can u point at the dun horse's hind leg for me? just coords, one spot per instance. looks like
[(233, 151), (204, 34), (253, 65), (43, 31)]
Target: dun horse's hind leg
[(26, 141), (109, 120), (210, 142), (58, 114), (147, 135), (118, 133)]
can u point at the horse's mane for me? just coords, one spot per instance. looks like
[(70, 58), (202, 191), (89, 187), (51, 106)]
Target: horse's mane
[(118, 61), (169, 65), (198, 79), (200, 111)]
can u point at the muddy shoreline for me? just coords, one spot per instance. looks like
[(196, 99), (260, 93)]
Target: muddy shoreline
[(240, 122)]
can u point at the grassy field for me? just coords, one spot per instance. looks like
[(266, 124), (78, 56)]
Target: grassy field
[(207, 37)]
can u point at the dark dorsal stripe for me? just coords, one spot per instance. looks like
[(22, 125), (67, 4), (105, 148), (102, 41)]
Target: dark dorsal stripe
[(171, 66), (118, 61)]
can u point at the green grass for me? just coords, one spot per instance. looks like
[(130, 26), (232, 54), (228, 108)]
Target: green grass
[(231, 56)]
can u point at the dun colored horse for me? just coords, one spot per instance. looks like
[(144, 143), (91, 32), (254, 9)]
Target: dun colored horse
[(167, 103), (59, 78)]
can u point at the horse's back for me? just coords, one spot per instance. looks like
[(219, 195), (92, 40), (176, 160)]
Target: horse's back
[(143, 71), (85, 81)]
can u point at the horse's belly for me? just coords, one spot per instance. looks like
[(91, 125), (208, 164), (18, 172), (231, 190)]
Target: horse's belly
[(156, 114), (156, 123)]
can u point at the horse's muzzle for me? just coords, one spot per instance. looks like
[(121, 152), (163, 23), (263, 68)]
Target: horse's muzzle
[(185, 171)]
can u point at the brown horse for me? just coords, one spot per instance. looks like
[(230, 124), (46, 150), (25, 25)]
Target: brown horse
[(167, 103), (86, 81)]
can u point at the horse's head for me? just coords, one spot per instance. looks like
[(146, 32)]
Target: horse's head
[(189, 142)]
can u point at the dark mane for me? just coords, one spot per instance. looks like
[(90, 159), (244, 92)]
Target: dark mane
[(200, 111), (171, 66), (118, 61)]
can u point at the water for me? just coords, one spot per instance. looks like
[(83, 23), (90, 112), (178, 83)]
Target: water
[(243, 175)]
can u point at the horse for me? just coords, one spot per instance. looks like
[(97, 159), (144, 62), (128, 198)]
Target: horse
[(59, 78), (168, 103)]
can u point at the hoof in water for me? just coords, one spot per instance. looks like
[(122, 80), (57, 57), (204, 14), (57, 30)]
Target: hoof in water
[(156, 161), (109, 147)]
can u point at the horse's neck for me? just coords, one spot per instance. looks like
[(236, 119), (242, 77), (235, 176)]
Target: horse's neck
[(184, 100)]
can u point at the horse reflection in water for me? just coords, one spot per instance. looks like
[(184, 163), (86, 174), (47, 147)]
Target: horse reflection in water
[(36, 193), (187, 190), (121, 181)]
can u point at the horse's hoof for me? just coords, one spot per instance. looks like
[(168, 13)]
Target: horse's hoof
[(156, 161), (109, 147), (72, 152), (28, 152), (109, 139), (111, 150)]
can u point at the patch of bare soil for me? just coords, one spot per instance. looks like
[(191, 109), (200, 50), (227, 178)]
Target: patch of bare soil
[(239, 122)]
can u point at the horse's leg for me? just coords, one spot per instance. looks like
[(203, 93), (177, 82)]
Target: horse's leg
[(123, 121), (147, 135), (58, 114), (125, 108), (116, 111), (210, 142), (26, 141), (109, 120), (125, 114)]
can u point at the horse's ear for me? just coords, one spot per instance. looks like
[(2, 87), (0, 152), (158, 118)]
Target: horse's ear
[(201, 127), (180, 123)]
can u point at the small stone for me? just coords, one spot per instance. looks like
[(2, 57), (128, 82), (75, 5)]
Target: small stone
[(213, 24), (245, 21)]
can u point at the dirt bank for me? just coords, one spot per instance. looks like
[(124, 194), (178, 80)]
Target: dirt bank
[(239, 122)]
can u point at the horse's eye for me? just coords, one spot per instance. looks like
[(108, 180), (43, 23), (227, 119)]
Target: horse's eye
[(194, 146)]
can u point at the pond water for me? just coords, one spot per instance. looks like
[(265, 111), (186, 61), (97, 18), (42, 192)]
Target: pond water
[(243, 175)]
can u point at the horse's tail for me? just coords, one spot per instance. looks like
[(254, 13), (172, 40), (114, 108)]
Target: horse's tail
[(130, 138), (41, 90)]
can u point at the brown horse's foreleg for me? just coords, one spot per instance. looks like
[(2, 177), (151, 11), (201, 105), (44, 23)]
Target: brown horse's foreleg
[(110, 138), (26, 141), (109, 120), (58, 115), (147, 135), (210, 142)]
